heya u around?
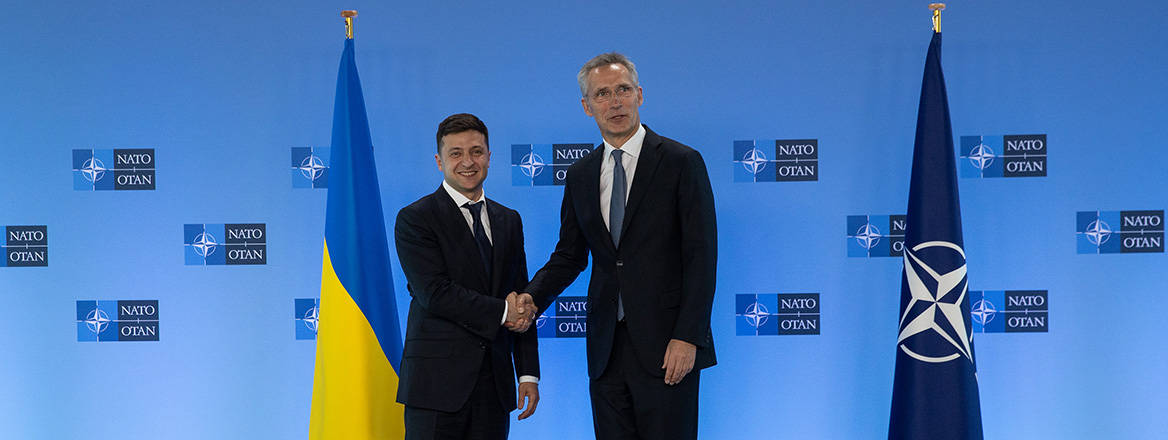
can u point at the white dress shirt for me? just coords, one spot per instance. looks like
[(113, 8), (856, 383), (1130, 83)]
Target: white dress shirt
[(632, 150), (461, 201)]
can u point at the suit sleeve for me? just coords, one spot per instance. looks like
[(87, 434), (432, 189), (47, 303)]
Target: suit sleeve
[(526, 351), (432, 286), (699, 248), (567, 261)]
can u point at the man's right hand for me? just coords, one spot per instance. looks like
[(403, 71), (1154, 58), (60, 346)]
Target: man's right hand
[(520, 312)]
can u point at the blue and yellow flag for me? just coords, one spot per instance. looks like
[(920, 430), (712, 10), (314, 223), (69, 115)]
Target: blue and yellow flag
[(359, 345), (934, 392)]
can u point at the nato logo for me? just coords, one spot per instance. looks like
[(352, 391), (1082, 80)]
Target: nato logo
[(566, 318), (120, 169), (26, 246), (1138, 232), (544, 164), (310, 167), (230, 244), (876, 235), (769, 160), (1008, 311), (1003, 156), (113, 321), (307, 317), (777, 314)]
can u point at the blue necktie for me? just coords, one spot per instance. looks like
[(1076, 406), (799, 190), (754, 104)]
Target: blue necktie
[(480, 235), (616, 214)]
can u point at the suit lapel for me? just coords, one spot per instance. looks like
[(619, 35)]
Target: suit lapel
[(643, 177), (451, 218), (499, 240), (591, 197)]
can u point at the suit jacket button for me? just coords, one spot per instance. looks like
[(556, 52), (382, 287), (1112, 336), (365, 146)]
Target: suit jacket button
[(620, 263), (482, 346)]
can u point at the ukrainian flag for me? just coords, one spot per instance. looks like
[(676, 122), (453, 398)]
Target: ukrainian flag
[(358, 345)]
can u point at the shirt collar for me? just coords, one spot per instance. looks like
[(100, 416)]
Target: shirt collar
[(459, 199), (632, 147)]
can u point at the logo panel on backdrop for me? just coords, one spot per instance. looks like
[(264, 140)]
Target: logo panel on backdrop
[(310, 167), (118, 169), (567, 317), (207, 244), (1009, 311), (117, 321), (777, 314), (769, 160), (307, 316), (1120, 232), (875, 235), (544, 164), (1021, 155), (25, 246)]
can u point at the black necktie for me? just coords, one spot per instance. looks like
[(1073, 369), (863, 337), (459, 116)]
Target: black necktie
[(480, 234)]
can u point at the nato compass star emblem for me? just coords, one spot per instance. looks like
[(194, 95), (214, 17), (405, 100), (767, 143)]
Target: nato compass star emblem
[(756, 315), (933, 317), (532, 165), (97, 320), (754, 161), (1098, 232), (981, 156), (93, 169), (983, 312), (868, 236), (312, 318), (204, 244), (312, 167)]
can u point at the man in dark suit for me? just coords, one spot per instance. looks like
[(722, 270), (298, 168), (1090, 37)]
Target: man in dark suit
[(462, 253), (641, 204)]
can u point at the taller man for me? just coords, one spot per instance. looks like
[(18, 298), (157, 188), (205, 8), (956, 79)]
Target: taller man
[(462, 253), (641, 204)]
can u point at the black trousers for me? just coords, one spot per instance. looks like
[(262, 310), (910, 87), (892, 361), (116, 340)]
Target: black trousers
[(482, 417), (629, 403)]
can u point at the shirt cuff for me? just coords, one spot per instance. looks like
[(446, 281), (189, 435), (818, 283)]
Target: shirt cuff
[(531, 379), (505, 307)]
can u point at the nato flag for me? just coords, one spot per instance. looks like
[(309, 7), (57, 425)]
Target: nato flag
[(934, 393)]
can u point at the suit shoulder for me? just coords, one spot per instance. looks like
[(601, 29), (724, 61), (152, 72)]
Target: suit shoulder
[(503, 209), (595, 154), (670, 146), (418, 207)]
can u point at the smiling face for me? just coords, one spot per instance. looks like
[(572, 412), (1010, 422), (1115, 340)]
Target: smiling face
[(464, 158), (613, 100)]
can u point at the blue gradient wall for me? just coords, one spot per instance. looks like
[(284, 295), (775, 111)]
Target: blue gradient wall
[(223, 92)]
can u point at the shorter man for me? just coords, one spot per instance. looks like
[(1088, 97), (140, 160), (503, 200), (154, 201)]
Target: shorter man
[(462, 253)]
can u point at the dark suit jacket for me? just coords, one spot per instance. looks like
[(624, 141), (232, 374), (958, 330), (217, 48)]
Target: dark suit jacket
[(456, 307), (664, 267)]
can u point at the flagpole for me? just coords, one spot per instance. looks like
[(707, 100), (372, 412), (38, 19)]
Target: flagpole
[(349, 14), (935, 7)]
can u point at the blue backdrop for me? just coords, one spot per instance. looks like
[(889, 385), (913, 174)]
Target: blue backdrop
[(222, 93)]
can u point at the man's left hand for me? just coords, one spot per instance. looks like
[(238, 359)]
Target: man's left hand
[(679, 360), (530, 390)]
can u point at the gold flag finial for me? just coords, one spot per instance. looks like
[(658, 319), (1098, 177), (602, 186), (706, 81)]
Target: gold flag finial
[(936, 8), (349, 14)]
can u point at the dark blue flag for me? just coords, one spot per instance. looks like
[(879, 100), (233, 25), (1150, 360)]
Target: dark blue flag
[(934, 394)]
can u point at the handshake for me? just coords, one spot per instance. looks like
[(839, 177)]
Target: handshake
[(520, 312)]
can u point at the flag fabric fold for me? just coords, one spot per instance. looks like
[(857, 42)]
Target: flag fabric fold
[(358, 344), (935, 393)]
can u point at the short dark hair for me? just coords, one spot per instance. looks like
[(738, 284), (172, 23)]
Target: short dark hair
[(458, 123)]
